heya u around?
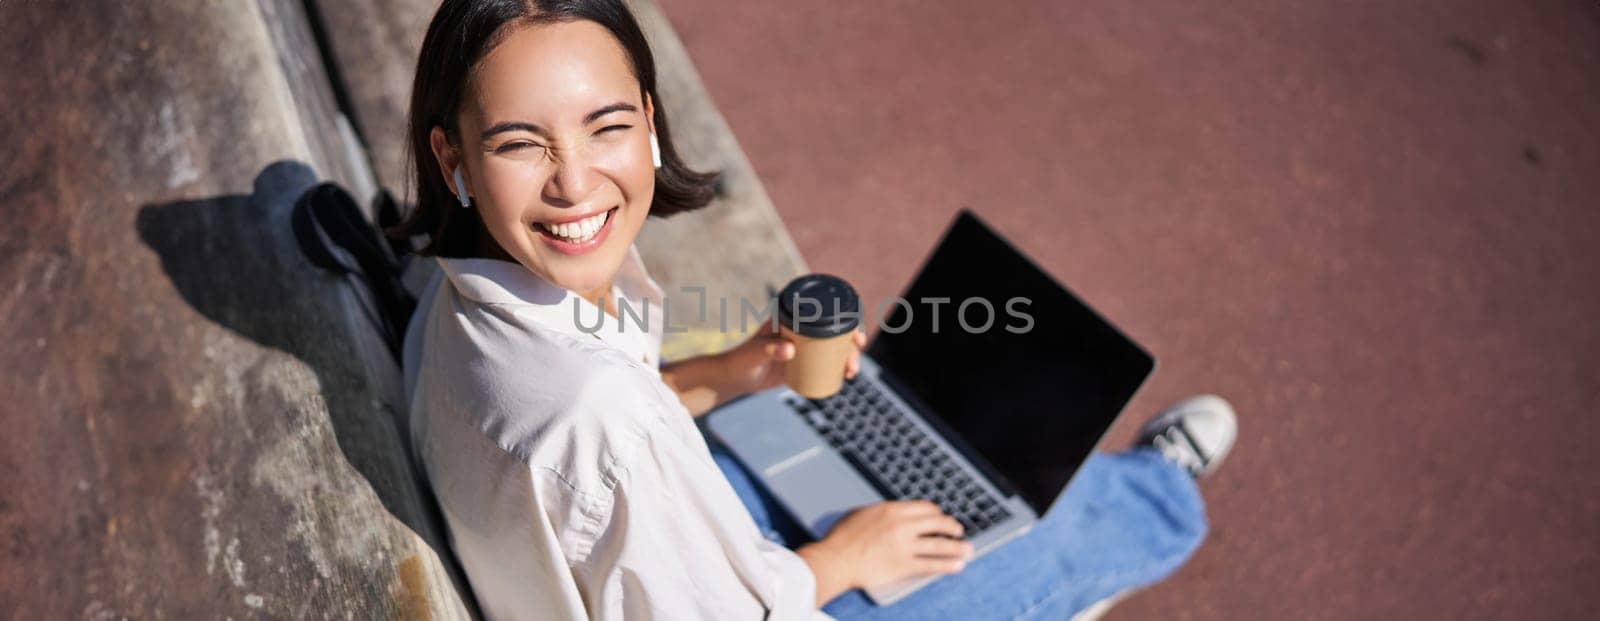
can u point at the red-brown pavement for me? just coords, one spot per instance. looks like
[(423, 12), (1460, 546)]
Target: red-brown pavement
[(1370, 225)]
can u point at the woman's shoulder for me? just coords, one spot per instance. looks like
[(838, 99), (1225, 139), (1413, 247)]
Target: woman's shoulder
[(547, 397)]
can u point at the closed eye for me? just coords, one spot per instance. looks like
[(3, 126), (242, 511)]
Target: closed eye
[(516, 146), (609, 128)]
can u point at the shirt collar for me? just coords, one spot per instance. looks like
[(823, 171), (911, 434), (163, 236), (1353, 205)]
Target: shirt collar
[(494, 281)]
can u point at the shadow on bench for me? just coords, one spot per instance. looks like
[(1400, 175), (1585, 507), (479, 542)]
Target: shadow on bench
[(234, 259)]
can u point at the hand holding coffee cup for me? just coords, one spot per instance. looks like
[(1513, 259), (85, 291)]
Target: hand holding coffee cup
[(821, 315)]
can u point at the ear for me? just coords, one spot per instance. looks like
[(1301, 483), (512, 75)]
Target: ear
[(650, 113), (447, 156)]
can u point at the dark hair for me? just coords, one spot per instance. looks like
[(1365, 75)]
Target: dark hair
[(461, 33)]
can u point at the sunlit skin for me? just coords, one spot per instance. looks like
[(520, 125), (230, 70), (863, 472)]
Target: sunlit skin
[(554, 127)]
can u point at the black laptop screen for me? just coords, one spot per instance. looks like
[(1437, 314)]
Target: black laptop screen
[(1033, 400)]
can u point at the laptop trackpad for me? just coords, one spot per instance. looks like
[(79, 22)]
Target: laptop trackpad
[(819, 487)]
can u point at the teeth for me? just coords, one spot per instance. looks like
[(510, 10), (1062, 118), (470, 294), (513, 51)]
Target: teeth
[(579, 231)]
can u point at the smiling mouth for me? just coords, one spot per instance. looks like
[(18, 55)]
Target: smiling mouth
[(580, 231)]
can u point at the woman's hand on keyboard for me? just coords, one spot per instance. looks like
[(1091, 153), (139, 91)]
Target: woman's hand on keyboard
[(883, 543)]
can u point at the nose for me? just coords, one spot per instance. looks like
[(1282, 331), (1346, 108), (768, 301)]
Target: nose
[(574, 179)]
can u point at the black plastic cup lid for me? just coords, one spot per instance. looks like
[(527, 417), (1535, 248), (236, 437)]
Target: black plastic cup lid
[(819, 306)]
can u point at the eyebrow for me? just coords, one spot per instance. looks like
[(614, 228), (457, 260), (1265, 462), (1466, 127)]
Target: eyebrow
[(512, 126)]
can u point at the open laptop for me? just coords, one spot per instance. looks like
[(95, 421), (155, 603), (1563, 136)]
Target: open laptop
[(990, 423)]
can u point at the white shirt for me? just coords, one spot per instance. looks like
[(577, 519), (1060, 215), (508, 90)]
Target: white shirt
[(574, 484)]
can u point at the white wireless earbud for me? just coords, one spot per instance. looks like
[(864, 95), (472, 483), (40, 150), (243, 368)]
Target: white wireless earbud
[(461, 188), (655, 150)]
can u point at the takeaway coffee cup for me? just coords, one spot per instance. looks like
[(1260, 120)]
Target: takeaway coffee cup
[(819, 313)]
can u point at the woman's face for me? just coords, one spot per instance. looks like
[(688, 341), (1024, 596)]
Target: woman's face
[(555, 151)]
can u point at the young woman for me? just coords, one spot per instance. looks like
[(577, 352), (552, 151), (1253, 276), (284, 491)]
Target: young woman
[(572, 478)]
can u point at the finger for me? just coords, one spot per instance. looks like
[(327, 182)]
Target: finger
[(918, 507), (775, 346), (941, 547), (853, 365), (939, 525), (860, 338), (938, 565)]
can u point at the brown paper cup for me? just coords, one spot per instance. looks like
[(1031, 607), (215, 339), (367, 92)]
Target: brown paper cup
[(817, 369)]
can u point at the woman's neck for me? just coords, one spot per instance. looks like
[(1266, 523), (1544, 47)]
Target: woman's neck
[(488, 248), (595, 298)]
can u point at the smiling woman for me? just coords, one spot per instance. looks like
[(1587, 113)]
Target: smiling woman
[(566, 463), (549, 111)]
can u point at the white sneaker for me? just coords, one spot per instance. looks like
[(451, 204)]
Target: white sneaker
[(1195, 433)]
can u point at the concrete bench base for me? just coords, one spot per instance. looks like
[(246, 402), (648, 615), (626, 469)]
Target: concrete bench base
[(200, 424)]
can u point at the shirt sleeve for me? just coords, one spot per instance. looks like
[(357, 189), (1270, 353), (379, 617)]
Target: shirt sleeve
[(679, 544)]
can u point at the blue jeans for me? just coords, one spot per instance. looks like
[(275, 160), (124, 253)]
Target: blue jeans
[(1128, 520)]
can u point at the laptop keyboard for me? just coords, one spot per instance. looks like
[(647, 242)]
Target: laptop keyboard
[(896, 455)]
